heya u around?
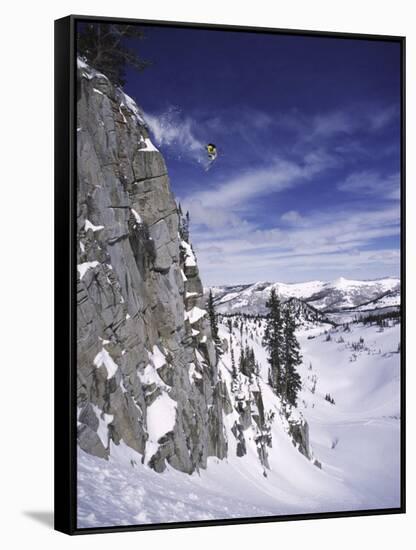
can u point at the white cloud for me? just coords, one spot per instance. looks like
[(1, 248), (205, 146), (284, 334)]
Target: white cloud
[(346, 124), (278, 176), (291, 217), (325, 241), (329, 124), (223, 203), (226, 227), (381, 118), (353, 264), (232, 249), (370, 183)]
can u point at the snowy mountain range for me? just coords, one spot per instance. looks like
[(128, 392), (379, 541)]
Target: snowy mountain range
[(329, 297)]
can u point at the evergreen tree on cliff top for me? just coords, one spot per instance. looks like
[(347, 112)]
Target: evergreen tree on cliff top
[(273, 342), (108, 48)]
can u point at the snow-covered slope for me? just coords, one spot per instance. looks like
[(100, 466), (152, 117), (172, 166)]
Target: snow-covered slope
[(355, 440), (326, 296)]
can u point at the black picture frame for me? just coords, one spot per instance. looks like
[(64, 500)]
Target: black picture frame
[(65, 278)]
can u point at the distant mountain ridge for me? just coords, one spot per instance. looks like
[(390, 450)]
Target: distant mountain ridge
[(326, 296)]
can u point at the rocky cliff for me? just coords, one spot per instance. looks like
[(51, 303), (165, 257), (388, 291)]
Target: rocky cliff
[(149, 372), (147, 368)]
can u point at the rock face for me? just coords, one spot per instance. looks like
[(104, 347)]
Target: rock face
[(147, 367), (149, 372)]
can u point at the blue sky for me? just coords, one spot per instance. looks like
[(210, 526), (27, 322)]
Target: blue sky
[(307, 182)]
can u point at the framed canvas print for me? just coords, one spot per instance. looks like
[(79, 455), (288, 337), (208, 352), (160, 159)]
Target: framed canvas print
[(229, 274)]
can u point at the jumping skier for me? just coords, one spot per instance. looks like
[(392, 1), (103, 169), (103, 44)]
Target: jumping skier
[(212, 154)]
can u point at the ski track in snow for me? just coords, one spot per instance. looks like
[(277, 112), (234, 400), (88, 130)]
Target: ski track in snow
[(356, 440)]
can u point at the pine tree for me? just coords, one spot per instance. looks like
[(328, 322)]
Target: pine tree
[(247, 363), (273, 342), (252, 366), (291, 358), (213, 319), (183, 225), (108, 48), (242, 361), (233, 369)]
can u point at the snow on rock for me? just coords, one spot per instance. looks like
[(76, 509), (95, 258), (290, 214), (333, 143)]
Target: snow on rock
[(157, 357), (81, 63), (84, 267), (149, 375), (104, 420), (125, 101), (87, 71), (131, 105), (195, 314), (148, 145), (104, 358), (193, 373), (190, 260), (122, 114), (89, 225), (136, 215), (161, 417)]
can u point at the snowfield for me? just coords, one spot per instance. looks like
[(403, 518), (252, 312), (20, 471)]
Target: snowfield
[(356, 440)]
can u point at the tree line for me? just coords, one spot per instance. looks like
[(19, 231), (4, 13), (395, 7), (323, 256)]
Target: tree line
[(283, 350), (280, 342), (110, 48)]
